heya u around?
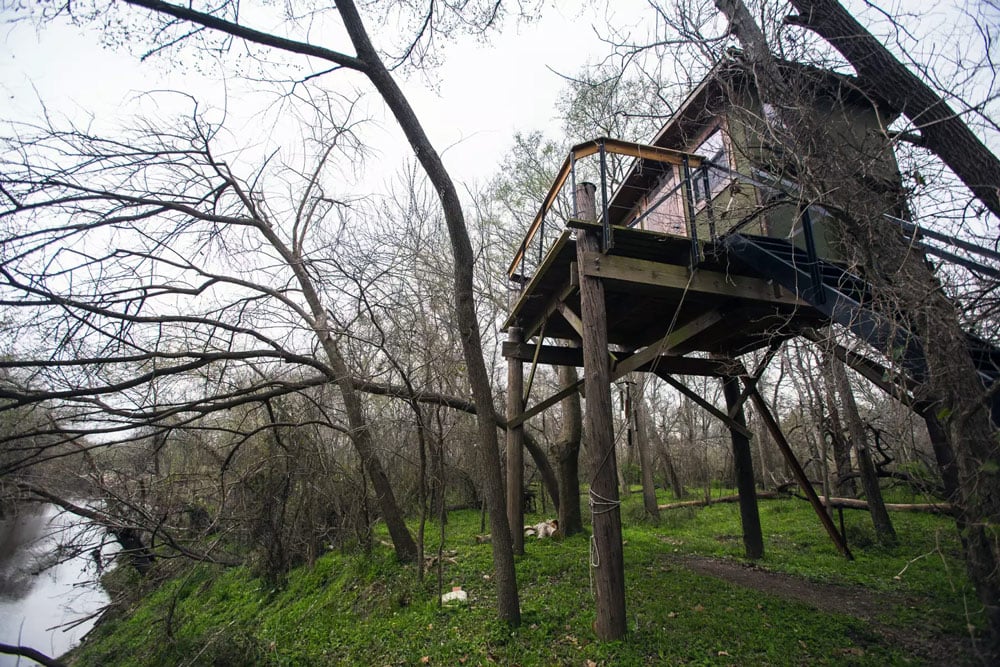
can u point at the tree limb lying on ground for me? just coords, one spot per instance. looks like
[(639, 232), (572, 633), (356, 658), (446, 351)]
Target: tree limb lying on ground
[(846, 503)]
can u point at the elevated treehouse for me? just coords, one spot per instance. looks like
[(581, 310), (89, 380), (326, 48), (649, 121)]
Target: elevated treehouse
[(703, 252)]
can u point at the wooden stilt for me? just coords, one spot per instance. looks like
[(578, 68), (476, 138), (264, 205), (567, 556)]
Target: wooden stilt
[(800, 475), (606, 547), (753, 539), (515, 447)]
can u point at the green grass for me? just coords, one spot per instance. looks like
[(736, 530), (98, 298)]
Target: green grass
[(365, 609)]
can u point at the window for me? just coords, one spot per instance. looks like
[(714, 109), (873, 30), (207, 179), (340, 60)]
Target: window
[(662, 207), (712, 149)]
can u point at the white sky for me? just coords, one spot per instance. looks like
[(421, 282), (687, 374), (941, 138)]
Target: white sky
[(484, 91)]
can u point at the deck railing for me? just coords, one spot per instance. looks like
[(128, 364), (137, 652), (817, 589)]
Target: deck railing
[(535, 243), (693, 170)]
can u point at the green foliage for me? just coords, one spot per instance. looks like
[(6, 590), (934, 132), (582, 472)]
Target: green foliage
[(367, 609)]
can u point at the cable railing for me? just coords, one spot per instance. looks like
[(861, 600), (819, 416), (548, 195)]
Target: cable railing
[(681, 203), (538, 238)]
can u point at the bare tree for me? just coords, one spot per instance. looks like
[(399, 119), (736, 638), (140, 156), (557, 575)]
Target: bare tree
[(566, 451), (130, 253), (939, 127), (175, 24)]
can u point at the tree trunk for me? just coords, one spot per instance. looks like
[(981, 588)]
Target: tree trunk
[(515, 448), (360, 434), (881, 75), (841, 448), (675, 481), (670, 470), (641, 418), (869, 476), (901, 276), (436, 465), (369, 63), (508, 603), (567, 455), (139, 555), (30, 654), (549, 482)]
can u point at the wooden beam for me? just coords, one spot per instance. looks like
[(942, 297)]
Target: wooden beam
[(555, 355), (679, 335), (708, 407), (546, 403), (534, 360), (527, 292), (571, 317), (557, 297), (669, 276), (755, 378), (644, 357), (800, 475), (654, 153)]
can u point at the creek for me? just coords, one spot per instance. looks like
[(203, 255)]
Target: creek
[(39, 595)]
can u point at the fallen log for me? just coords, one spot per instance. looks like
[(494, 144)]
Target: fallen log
[(835, 503), (855, 504), (714, 501)]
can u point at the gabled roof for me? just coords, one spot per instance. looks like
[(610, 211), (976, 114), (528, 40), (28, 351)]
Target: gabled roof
[(734, 73)]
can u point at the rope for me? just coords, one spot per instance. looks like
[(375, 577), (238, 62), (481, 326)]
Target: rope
[(607, 504), (673, 319), (598, 505), (594, 562)]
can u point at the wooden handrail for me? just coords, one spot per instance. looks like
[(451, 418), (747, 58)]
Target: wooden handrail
[(586, 149)]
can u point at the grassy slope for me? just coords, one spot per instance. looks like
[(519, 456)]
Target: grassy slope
[(356, 609)]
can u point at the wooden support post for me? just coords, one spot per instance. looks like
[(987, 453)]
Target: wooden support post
[(753, 539), (800, 475), (607, 558), (584, 201), (515, 447)]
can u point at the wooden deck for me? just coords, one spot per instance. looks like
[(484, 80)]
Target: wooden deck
[(650, 294)]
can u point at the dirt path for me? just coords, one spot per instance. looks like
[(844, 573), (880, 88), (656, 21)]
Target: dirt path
[(923, 642)]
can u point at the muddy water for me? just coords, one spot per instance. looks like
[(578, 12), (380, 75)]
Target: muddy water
[(37, 597)]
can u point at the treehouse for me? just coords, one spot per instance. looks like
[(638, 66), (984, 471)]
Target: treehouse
[(680, 256)]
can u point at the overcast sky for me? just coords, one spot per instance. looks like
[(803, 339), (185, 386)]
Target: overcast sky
[(484, 91)]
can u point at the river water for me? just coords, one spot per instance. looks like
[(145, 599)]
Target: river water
[(35, 605)]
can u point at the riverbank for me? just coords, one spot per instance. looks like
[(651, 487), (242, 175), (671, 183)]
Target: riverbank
[(45, 589), (692, 599)]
